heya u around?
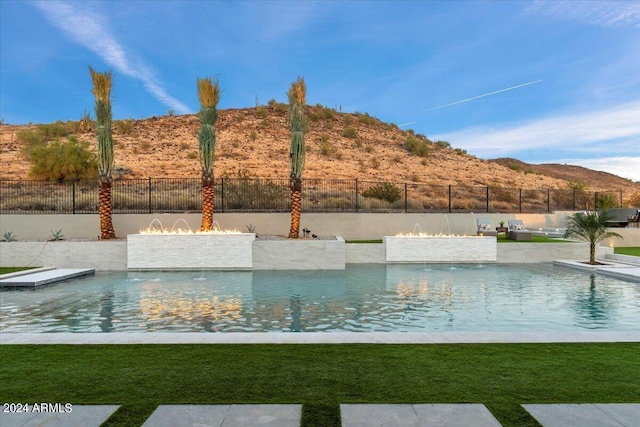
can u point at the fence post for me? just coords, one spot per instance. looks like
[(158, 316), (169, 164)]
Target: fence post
[(149, 194), (406, 198), (222, 193), (487, 199), (357, 206), (620, 205), (449, 198), (520, 200), (73, 196), (548, 200), (595, 200)]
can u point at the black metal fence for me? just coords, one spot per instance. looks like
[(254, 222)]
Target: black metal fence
[(168, 195)]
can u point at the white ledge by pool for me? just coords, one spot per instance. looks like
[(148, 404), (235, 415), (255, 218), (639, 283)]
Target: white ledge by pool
[(319, 337)]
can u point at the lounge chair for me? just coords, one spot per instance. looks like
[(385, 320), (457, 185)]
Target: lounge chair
[(518, 231), (635, 219), (485, 228)]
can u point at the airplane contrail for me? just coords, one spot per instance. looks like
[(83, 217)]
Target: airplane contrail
[(406, 124), (482, 96)]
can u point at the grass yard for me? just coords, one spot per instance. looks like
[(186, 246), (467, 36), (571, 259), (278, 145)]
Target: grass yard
[(140, 377), (634, 251), (6, 270)]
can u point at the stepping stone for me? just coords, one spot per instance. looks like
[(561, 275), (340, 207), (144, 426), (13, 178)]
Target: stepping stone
[(417, 415), (225, 416), (586, 414), (80, 416)]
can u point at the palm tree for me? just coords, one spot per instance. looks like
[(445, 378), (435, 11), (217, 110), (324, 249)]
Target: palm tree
[(297, 98), (590, 227), (102, 92), (209, 95)]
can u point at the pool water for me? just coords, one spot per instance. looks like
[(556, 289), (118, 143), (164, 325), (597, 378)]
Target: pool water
[(367, 298)]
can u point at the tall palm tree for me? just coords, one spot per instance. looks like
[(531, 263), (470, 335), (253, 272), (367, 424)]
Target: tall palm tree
[(209, 95), (590, 227), (297, 98), (102, 92)]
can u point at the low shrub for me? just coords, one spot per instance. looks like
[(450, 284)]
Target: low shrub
[(384, 191)]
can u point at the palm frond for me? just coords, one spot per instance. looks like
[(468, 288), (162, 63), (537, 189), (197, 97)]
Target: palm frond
[(101, 89), (208, 92)]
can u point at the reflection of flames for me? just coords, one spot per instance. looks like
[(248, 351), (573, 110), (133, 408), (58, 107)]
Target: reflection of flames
[(179, 231), (423, 291), (211, 308)]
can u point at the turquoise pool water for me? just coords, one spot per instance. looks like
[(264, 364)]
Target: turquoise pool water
[(368, 298)]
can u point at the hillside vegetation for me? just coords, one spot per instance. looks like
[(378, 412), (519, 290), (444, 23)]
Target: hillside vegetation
[(254, 142)]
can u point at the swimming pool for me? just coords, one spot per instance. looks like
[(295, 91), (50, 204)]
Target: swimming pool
[(362, 298)]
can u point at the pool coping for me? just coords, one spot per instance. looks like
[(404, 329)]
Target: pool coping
[(84, 338)]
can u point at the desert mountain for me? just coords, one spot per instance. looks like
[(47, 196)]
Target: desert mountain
[(254, 142)]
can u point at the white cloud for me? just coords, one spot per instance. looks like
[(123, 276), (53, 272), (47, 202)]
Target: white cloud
[(91, 30), (601, 13), (607, 131)]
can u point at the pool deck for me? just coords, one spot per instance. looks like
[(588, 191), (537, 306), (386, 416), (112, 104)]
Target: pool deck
[(84, 338)]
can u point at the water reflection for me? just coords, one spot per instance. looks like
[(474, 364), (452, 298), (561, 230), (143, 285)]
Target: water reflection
[(362, 298), (593, 306)]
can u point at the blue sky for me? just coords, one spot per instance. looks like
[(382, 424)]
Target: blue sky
[(541, 81)]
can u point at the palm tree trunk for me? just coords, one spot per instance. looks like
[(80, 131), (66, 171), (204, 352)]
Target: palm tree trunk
[(592, 253), (296, 205), (208, 203), (105, 210)]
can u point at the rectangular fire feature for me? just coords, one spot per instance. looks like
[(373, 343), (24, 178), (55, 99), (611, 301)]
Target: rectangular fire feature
[(224, 251), (440, 248)]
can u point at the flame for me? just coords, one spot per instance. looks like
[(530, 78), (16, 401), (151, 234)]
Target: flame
[(434, 235), (179, 231)]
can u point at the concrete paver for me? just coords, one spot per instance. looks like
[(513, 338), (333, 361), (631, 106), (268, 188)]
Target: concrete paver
[(79, 416), (586, 414), (45, 277), (225, 416), (417, 415)]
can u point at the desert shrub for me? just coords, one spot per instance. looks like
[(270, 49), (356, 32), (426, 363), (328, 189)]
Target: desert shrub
[(327, 113), (443, 144), (364, 118), (416, 147), (125, 127), (53, 130), (326, 148), (634, 200), (30, 139), (184, 145), (460, 152), (192, 155), (375, 163), (61, 160), (350, 133), (347, 120), (262, 112), (383, 191)]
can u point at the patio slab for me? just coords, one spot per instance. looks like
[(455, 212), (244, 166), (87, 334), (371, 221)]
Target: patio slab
[(586, 414), (417, 415), (225, 416), (78, 416)]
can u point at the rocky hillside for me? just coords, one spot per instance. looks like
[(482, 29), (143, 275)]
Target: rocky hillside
[(254, 142)]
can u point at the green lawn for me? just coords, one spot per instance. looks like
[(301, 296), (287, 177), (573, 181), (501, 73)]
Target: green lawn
[(140, 377), (635, 251), (5, 270)]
